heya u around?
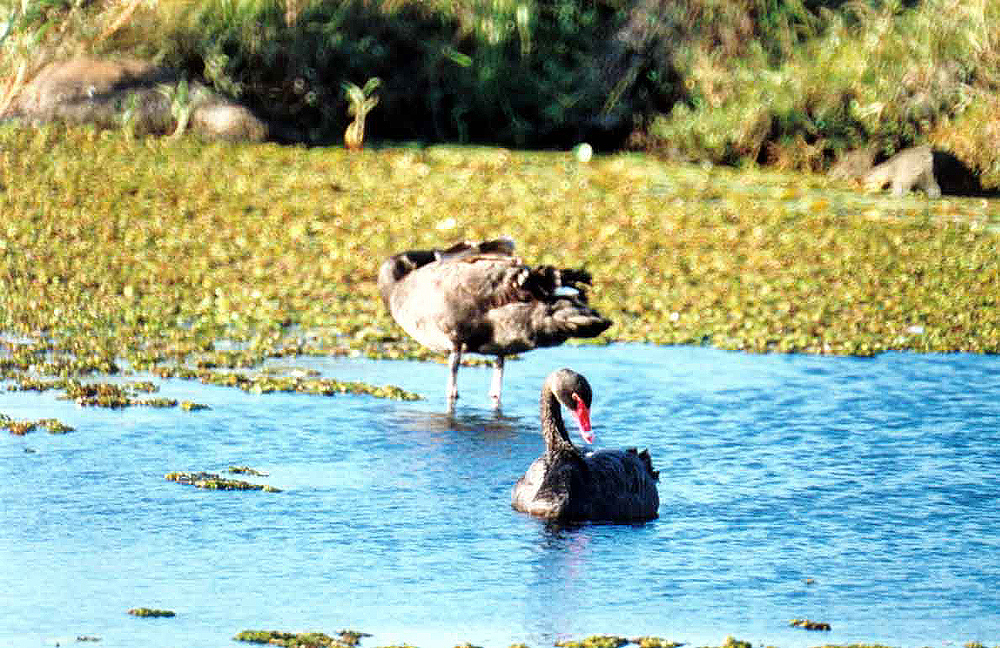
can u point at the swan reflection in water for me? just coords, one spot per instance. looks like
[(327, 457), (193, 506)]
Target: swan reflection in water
[(494, 424)]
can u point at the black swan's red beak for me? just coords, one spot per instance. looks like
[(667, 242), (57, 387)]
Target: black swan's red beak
[(583, 418)]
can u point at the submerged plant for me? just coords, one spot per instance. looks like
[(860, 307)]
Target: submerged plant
[(151, 612), (806, 624)]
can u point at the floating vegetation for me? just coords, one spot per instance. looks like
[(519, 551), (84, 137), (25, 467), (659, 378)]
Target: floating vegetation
[(654, 642), (177, 372), (229, 360), (20, 428), (733, 642), (345, 638), (324, 387), (150, 612), (266, 384), (112, 395), (809, 625), (613, 641), (157, 402), (143, 387), (854, 646), (246, 470), (348, 638), (27, 383), (294, 371), (213, 481), (83, 638), (595, 641), (54, 426), (188, 406), (99, 394), (352, 637)]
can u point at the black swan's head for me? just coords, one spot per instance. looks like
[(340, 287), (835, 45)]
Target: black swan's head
[(573, 391)]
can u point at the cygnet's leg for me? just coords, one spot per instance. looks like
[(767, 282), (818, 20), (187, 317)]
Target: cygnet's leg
[(496, 386), (454, 359)]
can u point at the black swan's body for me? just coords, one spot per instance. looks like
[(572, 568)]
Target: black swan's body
[(480, 298), (564, 484)]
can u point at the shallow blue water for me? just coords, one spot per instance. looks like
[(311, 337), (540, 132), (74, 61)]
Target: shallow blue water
[(875, 478)]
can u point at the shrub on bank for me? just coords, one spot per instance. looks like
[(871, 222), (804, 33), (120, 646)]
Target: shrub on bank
[(516, 73), (793, 83), (880, 74)]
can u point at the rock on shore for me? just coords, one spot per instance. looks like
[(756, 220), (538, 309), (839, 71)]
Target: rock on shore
[(148, 98)]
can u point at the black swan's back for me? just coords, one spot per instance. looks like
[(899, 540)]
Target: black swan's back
[(620, 485)]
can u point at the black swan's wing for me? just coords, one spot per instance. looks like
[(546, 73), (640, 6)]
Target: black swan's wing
[(523, 307), (621, 486), (550, 486), (398, 266)]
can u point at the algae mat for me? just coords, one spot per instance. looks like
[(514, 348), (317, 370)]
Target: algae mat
[(145, 254)]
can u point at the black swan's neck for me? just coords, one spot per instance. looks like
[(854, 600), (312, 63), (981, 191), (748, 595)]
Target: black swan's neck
[(553, 428)]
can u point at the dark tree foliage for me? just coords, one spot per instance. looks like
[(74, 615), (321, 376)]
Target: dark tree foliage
[(570, 71)]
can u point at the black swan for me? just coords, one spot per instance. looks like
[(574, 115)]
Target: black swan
[(564, 484), (480, 298)]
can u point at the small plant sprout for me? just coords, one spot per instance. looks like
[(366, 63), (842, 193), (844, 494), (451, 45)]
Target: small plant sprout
[(129, 116), (360, 103), (181, 105)]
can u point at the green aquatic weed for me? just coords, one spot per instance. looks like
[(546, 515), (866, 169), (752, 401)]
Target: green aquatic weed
[(213, 481), (344, 639), (595, 641)]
